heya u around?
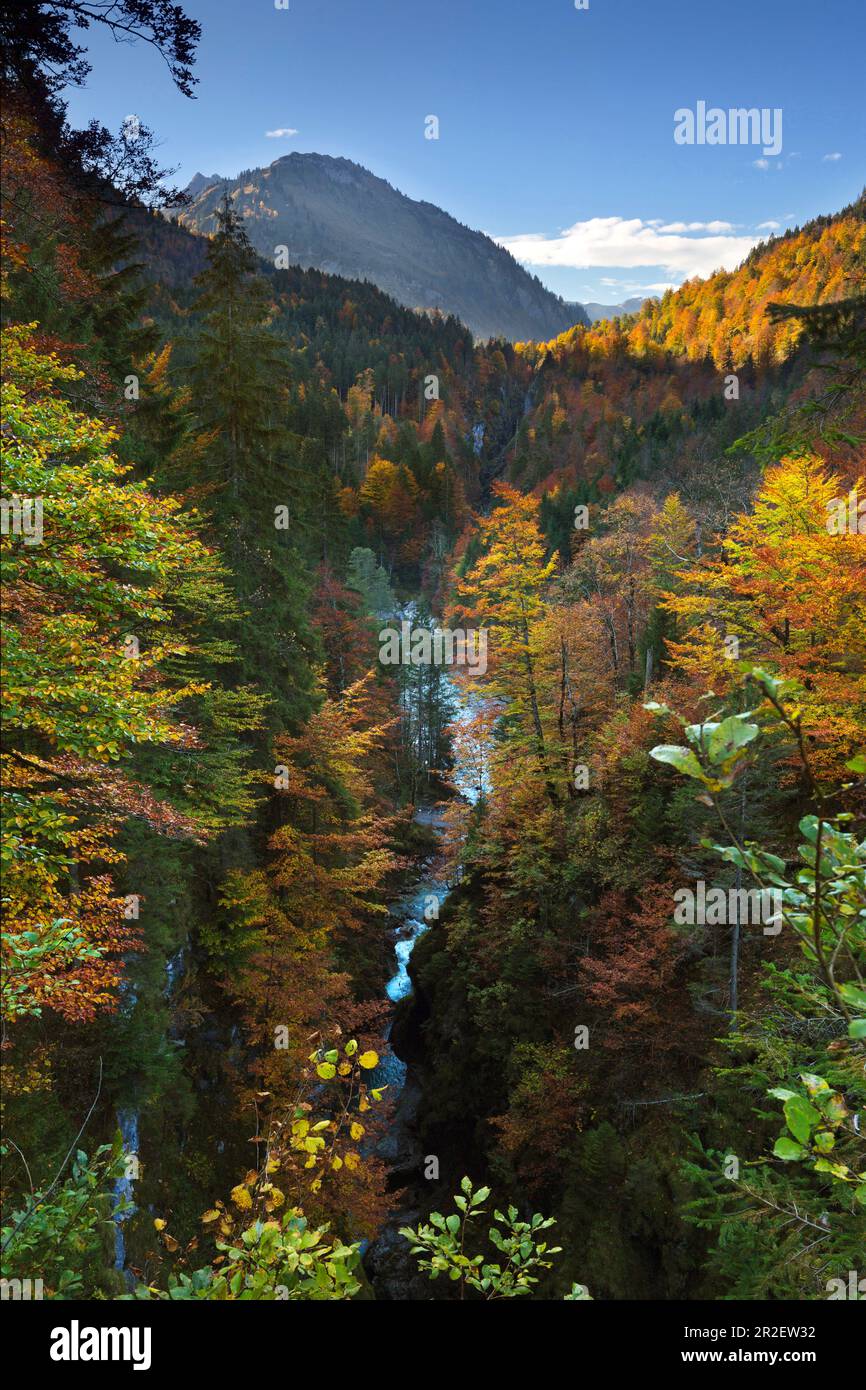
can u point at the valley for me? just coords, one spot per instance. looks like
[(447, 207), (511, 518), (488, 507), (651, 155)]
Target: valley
[(433, 769)]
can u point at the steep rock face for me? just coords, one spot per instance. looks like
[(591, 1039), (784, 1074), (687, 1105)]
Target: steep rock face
[(335, 216)]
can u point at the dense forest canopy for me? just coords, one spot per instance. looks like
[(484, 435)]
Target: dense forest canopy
[(637, 1001)]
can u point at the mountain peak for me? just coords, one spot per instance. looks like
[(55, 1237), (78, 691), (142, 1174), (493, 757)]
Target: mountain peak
[(334, 215), (199, 182)]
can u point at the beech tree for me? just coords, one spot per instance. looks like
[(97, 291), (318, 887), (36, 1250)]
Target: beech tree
[(87, 679), (502, 591)]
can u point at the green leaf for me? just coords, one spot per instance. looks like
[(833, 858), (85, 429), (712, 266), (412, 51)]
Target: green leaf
[(801, 1118), (729, 736), (683, 759), (815, 1085), (786, 1149), (838, 1170)]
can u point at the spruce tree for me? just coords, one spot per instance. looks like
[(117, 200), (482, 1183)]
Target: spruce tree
[(240, 382)]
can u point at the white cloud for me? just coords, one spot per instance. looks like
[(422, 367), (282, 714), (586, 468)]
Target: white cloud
[(693, 226), (769, 226), (628, 289), (633, 243), (761, 163), (831, 158), (282, 133)]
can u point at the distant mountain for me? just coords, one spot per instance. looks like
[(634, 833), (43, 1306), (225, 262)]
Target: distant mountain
[(594, 312), (198, 182), (335, 216)]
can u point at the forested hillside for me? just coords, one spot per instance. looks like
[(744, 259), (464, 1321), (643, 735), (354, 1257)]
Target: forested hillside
[(619, 855)]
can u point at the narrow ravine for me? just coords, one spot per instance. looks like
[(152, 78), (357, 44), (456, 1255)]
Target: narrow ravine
[(410, 915), (388, 1262)]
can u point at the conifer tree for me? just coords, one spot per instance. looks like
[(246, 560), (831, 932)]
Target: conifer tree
[(239, 380)]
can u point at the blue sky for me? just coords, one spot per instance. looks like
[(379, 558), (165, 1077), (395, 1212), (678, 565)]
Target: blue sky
[(556, 125)]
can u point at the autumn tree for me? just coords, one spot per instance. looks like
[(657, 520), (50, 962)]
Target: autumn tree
[(503, 592), (87, 677), (786, 588)]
